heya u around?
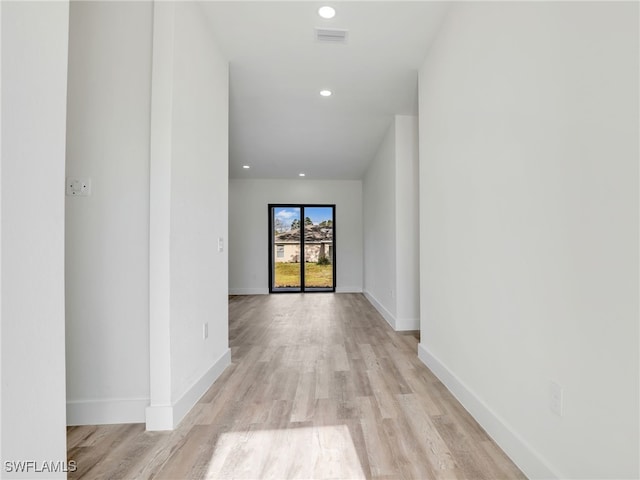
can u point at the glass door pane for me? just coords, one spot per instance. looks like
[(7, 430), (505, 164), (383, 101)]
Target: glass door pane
[(318, 248), (286, 272)]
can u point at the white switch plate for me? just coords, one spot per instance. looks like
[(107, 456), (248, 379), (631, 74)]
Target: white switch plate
[(220, 244), (78, 187)]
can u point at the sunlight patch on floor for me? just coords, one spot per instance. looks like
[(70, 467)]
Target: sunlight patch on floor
[(324, 452)]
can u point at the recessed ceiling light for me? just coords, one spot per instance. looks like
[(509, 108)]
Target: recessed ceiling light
[(246, 167), (326, 93), (301, 174), (327, 12)]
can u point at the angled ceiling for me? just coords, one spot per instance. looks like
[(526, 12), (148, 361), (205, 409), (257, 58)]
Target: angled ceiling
[(279, 123)]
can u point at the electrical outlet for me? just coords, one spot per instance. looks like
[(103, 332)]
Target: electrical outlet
[(78, 187), (205, 330), (556, 398)]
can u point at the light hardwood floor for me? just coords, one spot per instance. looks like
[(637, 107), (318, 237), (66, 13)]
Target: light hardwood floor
[(320, 388)]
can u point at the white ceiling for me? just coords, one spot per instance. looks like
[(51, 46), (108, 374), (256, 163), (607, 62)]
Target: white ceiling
[(279, 124)]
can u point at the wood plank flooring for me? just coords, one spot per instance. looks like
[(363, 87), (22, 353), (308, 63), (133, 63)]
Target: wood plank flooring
[(320, 387)]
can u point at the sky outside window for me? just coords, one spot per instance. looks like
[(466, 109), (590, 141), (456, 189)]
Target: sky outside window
[(317, 214)]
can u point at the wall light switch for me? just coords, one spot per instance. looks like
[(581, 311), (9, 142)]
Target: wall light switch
[(220, 244), (78, 187)]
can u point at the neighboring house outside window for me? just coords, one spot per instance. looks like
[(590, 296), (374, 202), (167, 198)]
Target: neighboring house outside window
[(318, 243)]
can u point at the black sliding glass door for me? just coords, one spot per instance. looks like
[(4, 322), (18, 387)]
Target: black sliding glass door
[(302, 248)]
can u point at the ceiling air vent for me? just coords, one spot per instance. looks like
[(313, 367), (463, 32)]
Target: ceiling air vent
[(331, 35)]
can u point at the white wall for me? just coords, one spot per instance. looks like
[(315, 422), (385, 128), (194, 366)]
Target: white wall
[(407, 224), (390, 198), (34, 87), (249, 230), (107, 233), (199, 200), (379, 213), (529, 228), (189, 205), (127, 338)]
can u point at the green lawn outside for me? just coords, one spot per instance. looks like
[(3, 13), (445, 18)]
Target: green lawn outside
[(288, 275)]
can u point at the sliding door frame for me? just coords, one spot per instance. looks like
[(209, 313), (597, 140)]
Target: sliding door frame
[(303, 288)]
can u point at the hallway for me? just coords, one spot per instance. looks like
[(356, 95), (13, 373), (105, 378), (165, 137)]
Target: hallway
[(320, 387)]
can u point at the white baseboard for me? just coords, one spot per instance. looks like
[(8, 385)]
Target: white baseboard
[(106, 411), (248, 291), (348, 289), (391, 320), (193, 394), (398, 324), (167, 417), (265, 291), (159, 417), (516, 447), (407, 324)]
